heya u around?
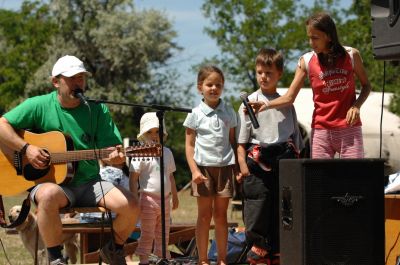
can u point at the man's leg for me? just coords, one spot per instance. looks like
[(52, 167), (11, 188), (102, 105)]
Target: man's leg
[(126, 208), (50, 198)]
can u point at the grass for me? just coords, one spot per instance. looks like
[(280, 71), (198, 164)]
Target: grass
[(18, 255), (11, 245)]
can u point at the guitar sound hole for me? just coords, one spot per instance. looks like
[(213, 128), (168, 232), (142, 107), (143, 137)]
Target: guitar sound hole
[(31, 173)]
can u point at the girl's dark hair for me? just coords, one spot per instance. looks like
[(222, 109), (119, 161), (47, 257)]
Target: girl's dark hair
[(206, 70), (269, 57), (323, 22)]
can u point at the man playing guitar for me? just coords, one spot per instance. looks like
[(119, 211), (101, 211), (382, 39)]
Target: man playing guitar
[(91, 127)]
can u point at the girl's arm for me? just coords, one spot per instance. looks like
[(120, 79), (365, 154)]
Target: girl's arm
[(353, 113), (133, 183), (290, 95), (174, 192), (197, 176)]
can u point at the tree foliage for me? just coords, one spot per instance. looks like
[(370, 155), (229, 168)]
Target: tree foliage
[(127, 51), (119, 45), (24, 36), (357, 33), (240, 28)]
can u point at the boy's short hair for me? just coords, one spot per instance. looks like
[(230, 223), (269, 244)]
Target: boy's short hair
[(269, 57)]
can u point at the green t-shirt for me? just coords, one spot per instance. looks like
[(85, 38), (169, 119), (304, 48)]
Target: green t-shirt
[(44, 113)]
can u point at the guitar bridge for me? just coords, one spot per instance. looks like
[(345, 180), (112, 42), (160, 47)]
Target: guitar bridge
[(18, 162)]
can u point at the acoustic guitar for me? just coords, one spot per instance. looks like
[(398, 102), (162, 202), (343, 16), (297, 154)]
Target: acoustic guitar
[(17, 175)]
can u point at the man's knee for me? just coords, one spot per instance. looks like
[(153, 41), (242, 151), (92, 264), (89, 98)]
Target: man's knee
[(130, 208), (50, 194)]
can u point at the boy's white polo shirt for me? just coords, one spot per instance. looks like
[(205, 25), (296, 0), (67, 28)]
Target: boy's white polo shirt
[(212, 126)]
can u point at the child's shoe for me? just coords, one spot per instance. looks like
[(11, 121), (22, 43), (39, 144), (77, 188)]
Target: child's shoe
[(258, 256)]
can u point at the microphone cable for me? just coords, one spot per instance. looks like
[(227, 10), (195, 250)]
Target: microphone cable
[(94, 146), (382, 104)]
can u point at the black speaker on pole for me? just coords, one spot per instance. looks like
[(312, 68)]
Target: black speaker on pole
[(332, 212), (385, 29)]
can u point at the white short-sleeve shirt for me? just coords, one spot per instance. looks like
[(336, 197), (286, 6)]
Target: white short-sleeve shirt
[(149, 170), (212, 126)]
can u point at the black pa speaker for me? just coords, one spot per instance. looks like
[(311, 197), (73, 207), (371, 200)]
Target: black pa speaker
[(386, 29), (332, 212)]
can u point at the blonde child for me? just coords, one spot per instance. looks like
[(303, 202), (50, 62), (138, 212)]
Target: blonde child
[(259, 151), (210, 152), (147, 173)]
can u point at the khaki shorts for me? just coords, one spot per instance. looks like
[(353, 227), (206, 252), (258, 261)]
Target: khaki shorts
[(218, 183)]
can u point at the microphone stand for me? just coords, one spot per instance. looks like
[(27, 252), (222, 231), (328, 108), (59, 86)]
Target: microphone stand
[(161, 109)]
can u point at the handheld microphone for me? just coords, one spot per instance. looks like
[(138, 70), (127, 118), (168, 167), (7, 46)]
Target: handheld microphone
[(78, 93), (250, 112)]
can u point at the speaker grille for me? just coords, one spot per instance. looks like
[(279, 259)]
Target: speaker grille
[(343, 220)]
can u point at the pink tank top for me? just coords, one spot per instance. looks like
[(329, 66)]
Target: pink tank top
[(333, 91)]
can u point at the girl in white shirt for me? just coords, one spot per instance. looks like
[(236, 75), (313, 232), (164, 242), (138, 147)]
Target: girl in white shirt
[(210, 152), (147, 173)]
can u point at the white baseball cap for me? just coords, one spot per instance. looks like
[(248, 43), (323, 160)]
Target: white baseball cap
[(149, 121), (68, 66)]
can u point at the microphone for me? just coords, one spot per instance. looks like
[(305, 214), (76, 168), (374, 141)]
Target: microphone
[(250, 112), (78, 93)]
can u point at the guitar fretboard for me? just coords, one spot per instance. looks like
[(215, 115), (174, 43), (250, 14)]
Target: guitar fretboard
[(72, 156), (131, 151)]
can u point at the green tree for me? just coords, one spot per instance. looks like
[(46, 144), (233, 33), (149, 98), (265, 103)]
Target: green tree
[(360, 19), (24, 36), (126, 51), (119, 45), (241, 28)]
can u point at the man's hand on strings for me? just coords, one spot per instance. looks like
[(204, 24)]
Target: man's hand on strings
[(37, 157), (117, 156)]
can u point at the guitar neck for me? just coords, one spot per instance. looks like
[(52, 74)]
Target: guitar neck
[(152, 150), (72, 156)]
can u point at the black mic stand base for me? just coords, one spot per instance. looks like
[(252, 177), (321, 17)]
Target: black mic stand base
[(162, 261)]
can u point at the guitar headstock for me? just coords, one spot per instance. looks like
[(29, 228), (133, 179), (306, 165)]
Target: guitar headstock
[(143, 150)]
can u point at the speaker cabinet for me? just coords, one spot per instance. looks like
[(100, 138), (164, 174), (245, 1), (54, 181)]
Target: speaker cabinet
[(332, 212), (386, 29)]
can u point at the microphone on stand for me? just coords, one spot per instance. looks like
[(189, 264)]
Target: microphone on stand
[(78, 93), (250, 112)]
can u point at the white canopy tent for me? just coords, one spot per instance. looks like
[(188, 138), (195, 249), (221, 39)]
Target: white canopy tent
[(371, 119)]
